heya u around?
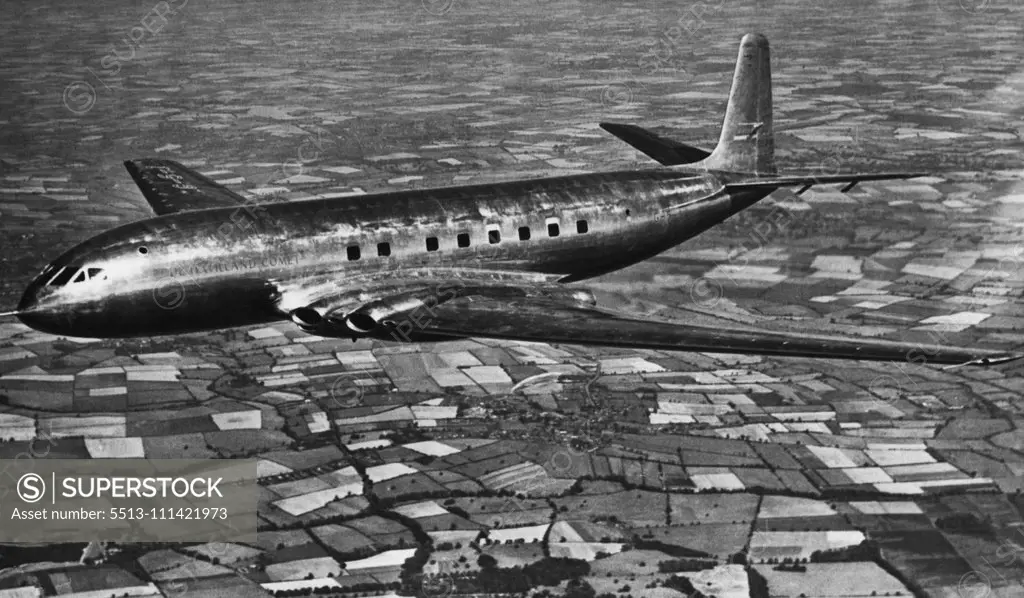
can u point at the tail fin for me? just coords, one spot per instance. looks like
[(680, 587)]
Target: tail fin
[(747, 143)]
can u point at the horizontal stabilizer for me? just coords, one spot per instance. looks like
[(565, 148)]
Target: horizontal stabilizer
[(665, 151), (807, 181), (170, 187)]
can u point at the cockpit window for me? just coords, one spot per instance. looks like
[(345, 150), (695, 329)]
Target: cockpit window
[(62, 277), (75, 275)]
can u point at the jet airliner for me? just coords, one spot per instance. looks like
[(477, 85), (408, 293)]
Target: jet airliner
[(495, 260)]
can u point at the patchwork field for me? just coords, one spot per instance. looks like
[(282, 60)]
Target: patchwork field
[(689, 458), (833, 579)]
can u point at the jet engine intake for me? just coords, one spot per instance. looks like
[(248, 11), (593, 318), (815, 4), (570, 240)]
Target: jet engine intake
[(385, 312), (307, 317), (361, 323)]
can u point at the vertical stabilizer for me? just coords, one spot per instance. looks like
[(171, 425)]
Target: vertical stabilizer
[(747, 143)]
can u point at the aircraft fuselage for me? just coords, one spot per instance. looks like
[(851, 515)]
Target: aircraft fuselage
[(225, 267)]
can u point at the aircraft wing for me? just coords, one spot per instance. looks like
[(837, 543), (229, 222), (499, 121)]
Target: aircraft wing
[(805, 182), (665, 151), (170, 187), (515, 314)]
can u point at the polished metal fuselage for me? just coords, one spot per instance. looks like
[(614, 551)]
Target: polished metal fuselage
[(225, 267)]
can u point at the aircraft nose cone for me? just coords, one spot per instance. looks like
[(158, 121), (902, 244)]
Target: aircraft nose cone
[(35, 320), (33, 314)]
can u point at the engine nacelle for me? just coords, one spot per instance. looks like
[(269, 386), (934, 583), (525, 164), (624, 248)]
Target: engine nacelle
[(355, 324), (384, 312), (307, 318), (361, 323), (407, 313)]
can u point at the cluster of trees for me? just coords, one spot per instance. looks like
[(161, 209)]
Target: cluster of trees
[(491, 579), (792, 566), (386, 502), (684, 585), (576, 588), (685, 565), (965, 523), (407, 434), (545, 572), (412, 569), (516, 542), (865, 551), (324, 590), (443, 546)]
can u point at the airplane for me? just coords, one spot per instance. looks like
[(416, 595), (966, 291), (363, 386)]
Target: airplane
[(498, 260)]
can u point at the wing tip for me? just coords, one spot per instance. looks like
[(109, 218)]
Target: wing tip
[(139, 162), (1001, 359), (991, 360), (136, 166)]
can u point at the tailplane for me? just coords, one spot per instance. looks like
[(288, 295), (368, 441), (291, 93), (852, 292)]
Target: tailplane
[(747, 142)]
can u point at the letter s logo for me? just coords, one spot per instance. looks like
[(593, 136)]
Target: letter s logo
[(31, 487), (169, 293)]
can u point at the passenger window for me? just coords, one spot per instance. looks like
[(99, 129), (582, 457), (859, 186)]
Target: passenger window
[(524, 233), (384, 249), (553, 229), (353, 252), (80, 277), (581, 226), (94, 273), (463, 239), (431, 243), (494, 236)]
